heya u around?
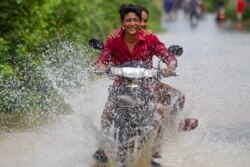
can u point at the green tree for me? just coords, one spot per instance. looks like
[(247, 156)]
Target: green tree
[(28, 27)]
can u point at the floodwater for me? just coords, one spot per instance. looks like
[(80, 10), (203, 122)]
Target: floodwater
[(214, 75)]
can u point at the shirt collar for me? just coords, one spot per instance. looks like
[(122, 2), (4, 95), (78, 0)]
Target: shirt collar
[(141, 35)]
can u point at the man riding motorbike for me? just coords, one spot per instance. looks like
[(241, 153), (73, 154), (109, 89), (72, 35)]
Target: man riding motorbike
[(132, 44), (166, 93)]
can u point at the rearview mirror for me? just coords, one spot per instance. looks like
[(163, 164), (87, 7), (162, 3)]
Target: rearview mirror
[(175, 50), (96, 44)]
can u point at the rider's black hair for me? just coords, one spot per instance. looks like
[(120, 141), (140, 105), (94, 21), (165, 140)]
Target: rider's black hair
[(144, 9), (126, 8)]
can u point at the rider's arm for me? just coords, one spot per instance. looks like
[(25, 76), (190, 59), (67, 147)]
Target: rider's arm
[(115, 34), (161, 51), (148, 32), (105, 57)]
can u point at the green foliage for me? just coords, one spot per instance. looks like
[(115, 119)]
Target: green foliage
[(230, 9), (4, 47), (231, 12), (246, 15), (27, 27)]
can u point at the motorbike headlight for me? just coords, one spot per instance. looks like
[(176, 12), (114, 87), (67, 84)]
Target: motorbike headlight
[(116, 71), (131, 72), (149, 73)]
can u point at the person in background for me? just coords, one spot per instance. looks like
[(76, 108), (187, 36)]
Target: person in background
[(202, 8), (185, 7), (220, 10), (168, 6), (240, 8), (219, 4), (194, 16)]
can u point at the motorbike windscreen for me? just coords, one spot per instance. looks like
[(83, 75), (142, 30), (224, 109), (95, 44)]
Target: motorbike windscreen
[(133, 72)]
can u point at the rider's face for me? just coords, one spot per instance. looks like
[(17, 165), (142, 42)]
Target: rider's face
[(144, 20), (131, 23)]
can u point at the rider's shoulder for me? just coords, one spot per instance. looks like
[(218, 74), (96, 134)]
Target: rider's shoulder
[(146, 35), (152, 37), (113, 40)]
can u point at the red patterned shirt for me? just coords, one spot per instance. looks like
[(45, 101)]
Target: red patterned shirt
[(116, 51)]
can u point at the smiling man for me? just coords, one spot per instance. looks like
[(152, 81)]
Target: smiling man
[(132, 44)]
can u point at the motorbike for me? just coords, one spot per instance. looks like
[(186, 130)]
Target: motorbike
[(133, 122)]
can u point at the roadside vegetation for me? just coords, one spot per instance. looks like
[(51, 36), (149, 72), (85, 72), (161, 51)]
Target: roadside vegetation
[(29, 28), (230, 9)]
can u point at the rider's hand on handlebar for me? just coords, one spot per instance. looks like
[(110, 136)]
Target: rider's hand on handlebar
[(147, 31), (172, 65), (114, 34), (100, 69), (167, 72)]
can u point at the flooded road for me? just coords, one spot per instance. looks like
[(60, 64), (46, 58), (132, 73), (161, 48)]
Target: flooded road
[(214, 76)]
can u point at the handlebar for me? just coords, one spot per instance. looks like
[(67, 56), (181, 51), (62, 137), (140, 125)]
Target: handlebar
[(173, 50), (133, 72)]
